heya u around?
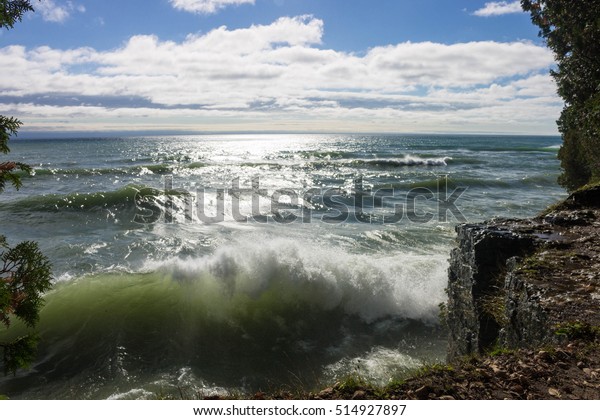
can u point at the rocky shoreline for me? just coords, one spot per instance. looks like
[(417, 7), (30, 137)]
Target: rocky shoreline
[(523, 313), (517, 283)]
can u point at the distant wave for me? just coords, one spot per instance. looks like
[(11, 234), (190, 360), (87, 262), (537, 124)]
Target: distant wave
[(326, 155), (316, 160), (408, 160), (124, 197), (556, 146), (159, 169)]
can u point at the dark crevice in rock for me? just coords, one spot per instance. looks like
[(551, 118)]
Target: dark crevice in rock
[(476, 276)]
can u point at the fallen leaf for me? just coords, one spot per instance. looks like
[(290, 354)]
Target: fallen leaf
[(554, 392)]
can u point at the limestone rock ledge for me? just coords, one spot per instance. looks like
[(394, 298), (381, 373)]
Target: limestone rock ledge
[(519, 283)]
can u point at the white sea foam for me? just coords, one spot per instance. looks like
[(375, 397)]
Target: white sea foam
[(380, 365), (372, 287), (132, 394), (411, 160), (407, 160)]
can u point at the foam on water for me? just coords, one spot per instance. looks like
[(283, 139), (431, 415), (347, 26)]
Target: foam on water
[(405, 285), (378, 366)]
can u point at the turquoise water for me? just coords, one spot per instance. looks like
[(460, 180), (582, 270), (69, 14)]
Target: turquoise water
[(337, 268)]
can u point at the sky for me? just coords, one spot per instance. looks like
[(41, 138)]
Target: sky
[(401, 66)]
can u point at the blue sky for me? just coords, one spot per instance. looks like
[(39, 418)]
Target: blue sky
[(278, 65)]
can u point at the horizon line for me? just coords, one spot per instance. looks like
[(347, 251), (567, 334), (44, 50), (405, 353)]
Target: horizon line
[(91, 134)]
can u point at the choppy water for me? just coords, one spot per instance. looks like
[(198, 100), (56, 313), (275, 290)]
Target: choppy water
[(154, 293)]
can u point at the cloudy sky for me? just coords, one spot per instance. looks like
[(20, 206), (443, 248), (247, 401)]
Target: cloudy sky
[(278, 65)]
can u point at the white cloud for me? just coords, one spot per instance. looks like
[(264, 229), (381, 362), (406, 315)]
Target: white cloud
[(278, 76), (58, 13), (497, 8), (206, 6)]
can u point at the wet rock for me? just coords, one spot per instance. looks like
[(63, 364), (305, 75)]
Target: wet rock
[(567, 219)]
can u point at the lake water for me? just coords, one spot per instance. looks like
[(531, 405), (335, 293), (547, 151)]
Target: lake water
[(247, 262)]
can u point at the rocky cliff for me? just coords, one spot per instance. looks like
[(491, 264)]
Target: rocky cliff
[(524, 283)]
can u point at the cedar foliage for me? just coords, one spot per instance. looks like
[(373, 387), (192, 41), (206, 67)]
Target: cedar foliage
[(572, 30), (25, 273)]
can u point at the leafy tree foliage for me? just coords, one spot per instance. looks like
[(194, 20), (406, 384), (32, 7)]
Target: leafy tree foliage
[(8, 127), (572, 30), (25, 273), (12, 11)]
